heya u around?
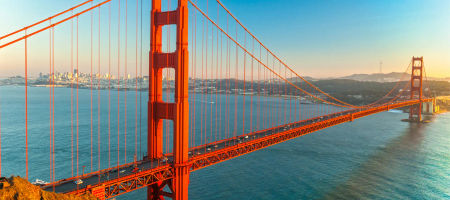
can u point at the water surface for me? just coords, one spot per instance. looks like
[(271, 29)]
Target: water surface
[(376, 157)]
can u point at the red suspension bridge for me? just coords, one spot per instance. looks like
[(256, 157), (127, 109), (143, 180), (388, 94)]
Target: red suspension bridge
[(215, 92)]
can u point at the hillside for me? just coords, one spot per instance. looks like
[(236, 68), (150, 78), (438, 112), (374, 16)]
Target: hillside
[(21, 189), (363, 92), (377, 77), (388, 77)]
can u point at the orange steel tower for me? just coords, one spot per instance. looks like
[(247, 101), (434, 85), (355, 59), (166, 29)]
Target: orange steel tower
[(415, 112), (178, 111)]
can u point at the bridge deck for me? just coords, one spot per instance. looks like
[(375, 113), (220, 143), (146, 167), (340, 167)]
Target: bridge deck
[(125, 178)]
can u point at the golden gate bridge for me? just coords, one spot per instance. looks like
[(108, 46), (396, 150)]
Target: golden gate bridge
[(211, 87)]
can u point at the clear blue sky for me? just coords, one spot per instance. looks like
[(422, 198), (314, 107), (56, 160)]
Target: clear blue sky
[(320, 38)]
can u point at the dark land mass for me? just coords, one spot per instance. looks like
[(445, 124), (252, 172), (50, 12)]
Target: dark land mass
[(16, 188)]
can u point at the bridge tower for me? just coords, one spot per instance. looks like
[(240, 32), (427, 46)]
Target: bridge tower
[(415, 112), (159, 110)]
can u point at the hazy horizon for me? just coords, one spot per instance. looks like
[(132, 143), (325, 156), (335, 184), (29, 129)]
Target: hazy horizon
[(329, 77)]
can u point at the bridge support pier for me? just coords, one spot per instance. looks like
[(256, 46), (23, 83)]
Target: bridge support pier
[(156, 192), (428, 108), (178, 111)]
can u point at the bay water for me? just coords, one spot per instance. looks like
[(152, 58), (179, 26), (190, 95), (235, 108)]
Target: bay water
[(376, 157)]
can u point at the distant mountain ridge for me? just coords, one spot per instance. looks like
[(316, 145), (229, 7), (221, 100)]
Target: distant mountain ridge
[(389, 77), (297, 79), (376, 77)]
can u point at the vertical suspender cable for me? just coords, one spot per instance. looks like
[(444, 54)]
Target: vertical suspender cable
[(243, 95), (208, 99), (77, 98), (71, 93), (192, 114), (295, 102), (195, 73), (206, 77), (276, 88), (230, 130), (217, 78), (211, 91), (50, 103), (212, 75), (253, 92), (271, 90), (194, 67), (300, 103), (92, 22), (287, 92), (202, 97), (118, 90), (273, 84), (26, 106), (109, 86), (281, 92), (269, 117), (258, 111), (279, 89), (227, 84), (236, 88), (136, 78), (53, 103), (264, 114), (220, 83), (140, 86), (98, 93), (126, 77)]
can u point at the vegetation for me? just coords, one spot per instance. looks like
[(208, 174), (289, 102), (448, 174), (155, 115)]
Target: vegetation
[(359, 92), (351, 91)]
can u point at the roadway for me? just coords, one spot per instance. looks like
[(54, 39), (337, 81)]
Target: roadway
[(96, 178), (69, 185)]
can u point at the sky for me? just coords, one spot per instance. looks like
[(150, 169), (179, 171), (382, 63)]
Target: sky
[(318, 38)]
